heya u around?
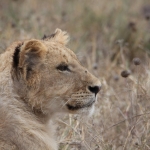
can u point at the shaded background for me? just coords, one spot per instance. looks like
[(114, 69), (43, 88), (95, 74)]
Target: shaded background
[(106, 35)]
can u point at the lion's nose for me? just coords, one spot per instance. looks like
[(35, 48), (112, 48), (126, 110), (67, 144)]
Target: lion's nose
[(94, 89)]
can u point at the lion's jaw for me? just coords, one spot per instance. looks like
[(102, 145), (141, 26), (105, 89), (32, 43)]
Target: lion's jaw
[(77, 103)]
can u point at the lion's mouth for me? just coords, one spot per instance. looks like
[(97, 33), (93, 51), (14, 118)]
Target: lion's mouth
[(89, 104)]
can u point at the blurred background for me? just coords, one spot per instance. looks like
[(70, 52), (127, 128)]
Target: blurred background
[(111, 39)]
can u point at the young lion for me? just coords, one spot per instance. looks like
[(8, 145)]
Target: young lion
[(39, 78)]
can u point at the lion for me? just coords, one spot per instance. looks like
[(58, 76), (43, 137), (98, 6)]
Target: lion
[(38, 79)]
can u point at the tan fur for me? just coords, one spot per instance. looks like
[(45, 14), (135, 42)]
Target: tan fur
[(33, 89)]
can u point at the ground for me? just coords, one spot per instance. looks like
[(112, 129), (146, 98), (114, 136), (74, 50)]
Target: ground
[(106, 35)]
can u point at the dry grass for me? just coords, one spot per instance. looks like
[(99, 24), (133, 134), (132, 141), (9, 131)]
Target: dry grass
[(106, 35)]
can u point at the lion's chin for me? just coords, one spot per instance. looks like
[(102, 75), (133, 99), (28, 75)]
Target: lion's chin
[(77, 107), (86, 109)]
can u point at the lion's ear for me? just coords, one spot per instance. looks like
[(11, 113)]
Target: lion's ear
[(31, 54), (59, 36), (31, 57)]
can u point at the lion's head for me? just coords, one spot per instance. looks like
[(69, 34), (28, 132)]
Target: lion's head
[(49, 78)]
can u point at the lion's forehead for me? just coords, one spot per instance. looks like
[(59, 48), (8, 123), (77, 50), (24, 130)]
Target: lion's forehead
[(59, 50), (62, 55)]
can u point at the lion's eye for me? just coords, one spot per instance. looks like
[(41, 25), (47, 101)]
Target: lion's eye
[(63, 67)]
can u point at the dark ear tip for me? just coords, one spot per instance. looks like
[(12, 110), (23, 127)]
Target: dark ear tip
[(49, 36), (44, 37), (16, 55)]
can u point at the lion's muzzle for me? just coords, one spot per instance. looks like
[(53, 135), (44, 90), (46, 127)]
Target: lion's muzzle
[(81, 100)]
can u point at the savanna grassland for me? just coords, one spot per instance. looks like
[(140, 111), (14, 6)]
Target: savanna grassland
[(112, 39)]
